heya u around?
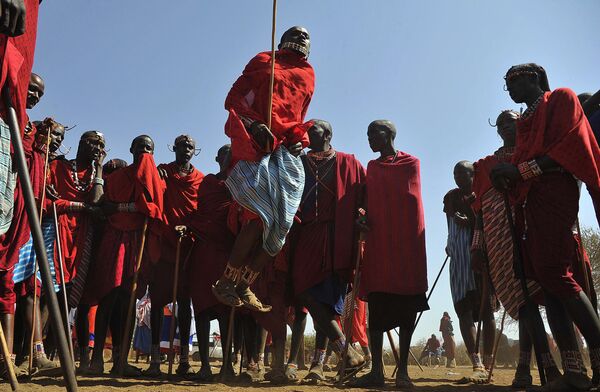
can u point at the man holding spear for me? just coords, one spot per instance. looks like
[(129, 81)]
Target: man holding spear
[(267, 131)]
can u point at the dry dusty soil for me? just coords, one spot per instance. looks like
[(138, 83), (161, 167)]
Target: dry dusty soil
[(430, 379)]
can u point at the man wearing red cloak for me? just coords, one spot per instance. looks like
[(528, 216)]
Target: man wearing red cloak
[(266, 177), (181, 198), (555, 144), (132, 196), (394, 270)]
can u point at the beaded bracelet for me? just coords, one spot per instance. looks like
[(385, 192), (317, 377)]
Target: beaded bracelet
[(75, 206), (477, 243), (529, 170), (126, 207), (98, 181)]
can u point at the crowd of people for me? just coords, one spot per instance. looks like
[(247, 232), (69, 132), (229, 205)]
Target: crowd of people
[(280, 231)]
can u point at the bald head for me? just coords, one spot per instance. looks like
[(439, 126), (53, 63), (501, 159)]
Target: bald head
[(35, 91), (140, 145), (463, 175)]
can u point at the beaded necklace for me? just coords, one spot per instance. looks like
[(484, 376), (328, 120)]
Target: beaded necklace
[(504, 153), (81, 187), (315, 161), (529, 111)]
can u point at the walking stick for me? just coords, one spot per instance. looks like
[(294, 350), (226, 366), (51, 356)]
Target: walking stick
[(126, 339), (484, 290), (537, 330), (227, 348), (272, 78), (62, 282), (355, 284), (38, 241), (175, 284), (433, 287), (35, 266), (584, 269), (495, 351), (14, 384)]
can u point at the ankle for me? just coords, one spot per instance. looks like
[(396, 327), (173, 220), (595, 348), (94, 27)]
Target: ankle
[(573, 362)]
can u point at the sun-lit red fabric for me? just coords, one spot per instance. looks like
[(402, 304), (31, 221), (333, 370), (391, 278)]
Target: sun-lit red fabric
[(560, 130), (16, 57), (481, 179), (249, 97), (117, 254), (394, 260), (72, 225), (18, 233), (214, 240)]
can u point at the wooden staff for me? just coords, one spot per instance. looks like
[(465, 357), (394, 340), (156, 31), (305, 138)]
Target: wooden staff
[(35, 266), (484, 291), (229, 337), (272, 78), (38, 240), (355, 284), (14, 384), (584, 269), (62, 282), (174, 297), (496, 347), (127, 330)]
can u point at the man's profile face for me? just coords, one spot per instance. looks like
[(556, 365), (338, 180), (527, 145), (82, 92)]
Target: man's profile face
[(378, 138), (519, 86), (35, 91)]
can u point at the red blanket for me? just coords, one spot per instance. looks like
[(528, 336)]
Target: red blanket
[(72, 226), (211, 250), (249, 97), (16, 57), (559, 129), (394, 260)]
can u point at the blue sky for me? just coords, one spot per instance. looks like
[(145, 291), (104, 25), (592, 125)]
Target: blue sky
[(433, 67)]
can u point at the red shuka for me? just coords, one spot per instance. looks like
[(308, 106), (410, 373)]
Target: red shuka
[(180, 199), (349, 180), (559, 129), (215, 240), (16, 57), (249, 97), (117, 254), (481, 179), (394, 260), (72, 225)]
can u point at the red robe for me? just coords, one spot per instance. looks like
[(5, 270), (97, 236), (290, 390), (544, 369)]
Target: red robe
[(214, 240), (117, 255), (73, 226), (16, 57), (349, 179), (559, 129), (394, 260), (249, 97)]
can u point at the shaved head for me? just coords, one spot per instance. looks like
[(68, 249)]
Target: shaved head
[(386, 126)]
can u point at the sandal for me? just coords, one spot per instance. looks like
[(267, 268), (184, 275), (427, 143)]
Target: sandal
[(153, 371), (185, 370), (570, 383), (403, 381), (250, 301), (369, 380), (224, 291), (291, 372)]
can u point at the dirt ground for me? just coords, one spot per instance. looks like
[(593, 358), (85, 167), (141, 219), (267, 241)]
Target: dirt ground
[(439, 380)]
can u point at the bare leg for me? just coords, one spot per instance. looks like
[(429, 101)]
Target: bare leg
[(184, 318), (156, 322), (203, 333), (103, 316), (82, 330)]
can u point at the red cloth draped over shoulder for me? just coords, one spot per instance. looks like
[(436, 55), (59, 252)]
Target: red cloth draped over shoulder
[(481, 179), (214, 240), (249, 97), (18, 233), (16, 57), (72, 225), (559, 129), (139, 183), (395, 259), (351, 177), (180, 199)]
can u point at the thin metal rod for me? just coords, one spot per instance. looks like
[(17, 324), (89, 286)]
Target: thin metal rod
[(126, 341), (38, 243), (63, 287), (433, 288)]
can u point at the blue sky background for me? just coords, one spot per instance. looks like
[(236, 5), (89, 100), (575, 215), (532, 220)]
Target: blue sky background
[(435, 68)]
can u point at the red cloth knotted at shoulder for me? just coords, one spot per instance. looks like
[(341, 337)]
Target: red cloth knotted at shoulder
[(559, 129), (181, 199), (249, 97), (395, 259), (481, 179), (16, 58), (351, 177), (141, 184)]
